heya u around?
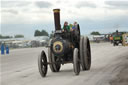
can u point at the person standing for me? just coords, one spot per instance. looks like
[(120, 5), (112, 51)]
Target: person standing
[(7, 49), (2, 49)]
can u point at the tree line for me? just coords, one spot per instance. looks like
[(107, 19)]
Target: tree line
[(16, 36), (95, 33), (41, 33)]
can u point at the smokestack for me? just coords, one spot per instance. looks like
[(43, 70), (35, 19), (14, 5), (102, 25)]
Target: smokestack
[(57, 19)]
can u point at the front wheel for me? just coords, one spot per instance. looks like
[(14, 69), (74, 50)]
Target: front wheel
[(42, 64), (56, 66), (76, 62), (50, 55)]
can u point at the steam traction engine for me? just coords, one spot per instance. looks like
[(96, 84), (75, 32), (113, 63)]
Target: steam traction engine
[(65, 47)]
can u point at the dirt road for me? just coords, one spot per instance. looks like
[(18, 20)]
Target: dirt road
[(108, 62)]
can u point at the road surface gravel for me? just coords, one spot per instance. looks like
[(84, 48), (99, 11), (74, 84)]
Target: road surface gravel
[(109, 64)]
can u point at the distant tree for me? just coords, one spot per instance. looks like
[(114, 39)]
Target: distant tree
[(37, 33), (51, 35), (19, 36), (95, 33), (40, 33), (5, 37), (1, 36), (44, 33)]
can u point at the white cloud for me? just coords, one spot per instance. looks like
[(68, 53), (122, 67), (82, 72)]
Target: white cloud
[(123, 5), (11, 3), (20, 15), (86, 4), (43, 4), (34, 11)]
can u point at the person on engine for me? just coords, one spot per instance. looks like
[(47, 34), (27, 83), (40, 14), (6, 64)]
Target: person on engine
[(66, 27), (74, 27)]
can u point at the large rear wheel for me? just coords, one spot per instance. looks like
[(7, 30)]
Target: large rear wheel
[(87, 54)]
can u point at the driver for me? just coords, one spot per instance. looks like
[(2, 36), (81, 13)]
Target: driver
[(66, 26)]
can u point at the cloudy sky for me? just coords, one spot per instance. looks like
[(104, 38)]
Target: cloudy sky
[(25, 16)]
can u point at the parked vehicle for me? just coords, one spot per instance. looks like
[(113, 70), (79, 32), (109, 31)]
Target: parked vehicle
[(117, 38)]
